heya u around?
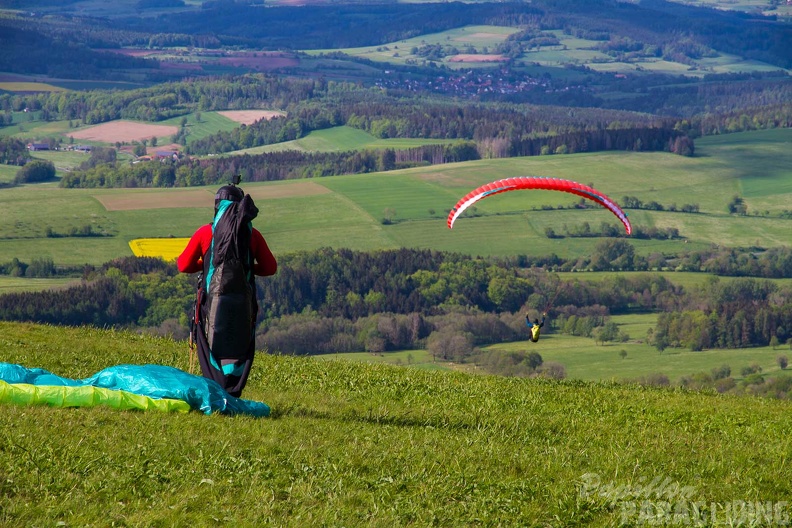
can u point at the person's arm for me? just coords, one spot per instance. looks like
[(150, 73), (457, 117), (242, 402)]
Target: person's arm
[(528, 322), (541, 323), (191, 259), (264, 261)]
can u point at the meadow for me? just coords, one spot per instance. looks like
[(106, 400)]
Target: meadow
[(341, 139), (477, 37), (374, 445), (7, 173), (586, 359), (570, 50), (202, 124), (754, 165), (24, 284), (26, 86), (764, 6), (199, 125)]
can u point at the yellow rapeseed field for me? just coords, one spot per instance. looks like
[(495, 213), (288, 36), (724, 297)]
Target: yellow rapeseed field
[(165, 248)]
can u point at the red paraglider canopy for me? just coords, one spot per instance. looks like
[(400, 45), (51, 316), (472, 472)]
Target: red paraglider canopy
[(541, 183)]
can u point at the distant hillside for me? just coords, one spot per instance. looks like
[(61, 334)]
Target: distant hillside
[(689, 30)]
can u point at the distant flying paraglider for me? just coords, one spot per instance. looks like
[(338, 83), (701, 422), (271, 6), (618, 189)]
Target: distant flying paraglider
[(538, 183)]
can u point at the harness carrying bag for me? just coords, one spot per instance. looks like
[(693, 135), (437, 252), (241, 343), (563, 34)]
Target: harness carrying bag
[(226, 306)]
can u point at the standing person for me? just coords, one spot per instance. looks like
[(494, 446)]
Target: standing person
[(535, 327), (228, 253)]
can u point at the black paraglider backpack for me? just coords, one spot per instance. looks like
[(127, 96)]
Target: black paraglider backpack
[(227, 304)]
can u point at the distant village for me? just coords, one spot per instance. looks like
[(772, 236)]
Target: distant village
[(469, 84)]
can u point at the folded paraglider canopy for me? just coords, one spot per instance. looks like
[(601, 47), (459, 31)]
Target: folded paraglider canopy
[(142, 387)]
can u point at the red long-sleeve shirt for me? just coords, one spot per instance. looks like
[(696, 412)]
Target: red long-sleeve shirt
[(191, 259)]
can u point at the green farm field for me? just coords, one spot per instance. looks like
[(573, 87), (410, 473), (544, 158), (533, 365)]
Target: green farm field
[(569, 50), (767, 7), (7, 173), (585, 359), (24, 127), (341, 139), (24, 86), (755, 165), (199, 124), (477, 37), (352, 444), (202, 124), (22, 284), (686, 279)]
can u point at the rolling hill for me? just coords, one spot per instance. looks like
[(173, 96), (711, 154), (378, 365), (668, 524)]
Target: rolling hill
[(367, 445), (348, 211)]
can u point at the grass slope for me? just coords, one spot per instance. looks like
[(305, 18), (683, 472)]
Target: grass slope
[(202, 124), (570, 50), (21, 284), (373, 445), (477, 37), (8, 172), (585, 359), (341, 139)]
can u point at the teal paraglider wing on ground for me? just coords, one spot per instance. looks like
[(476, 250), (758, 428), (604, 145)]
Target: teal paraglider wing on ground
[(141, 387)]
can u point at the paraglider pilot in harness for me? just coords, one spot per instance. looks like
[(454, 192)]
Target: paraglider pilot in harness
[(535, 327), (227, 253)]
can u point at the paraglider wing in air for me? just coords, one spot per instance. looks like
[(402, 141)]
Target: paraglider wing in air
[(540, 183)]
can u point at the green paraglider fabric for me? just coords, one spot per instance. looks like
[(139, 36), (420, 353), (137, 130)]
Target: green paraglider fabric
[(85, 396), (157, 383)]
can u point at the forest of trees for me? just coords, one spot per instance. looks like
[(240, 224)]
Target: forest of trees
[(166, 100), (329, 301), (329, 294), (502, 129), (13, 151), (658, 23), (24, 48)]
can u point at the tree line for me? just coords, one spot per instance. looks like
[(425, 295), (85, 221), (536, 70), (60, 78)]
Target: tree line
[(728, 314), (273, 166), (172, 99), (342, 300), (386, 116), (13, 151), (27, 46)]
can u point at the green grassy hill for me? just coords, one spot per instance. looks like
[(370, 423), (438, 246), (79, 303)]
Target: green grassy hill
[(480, 41), (754, 165), (341, 139), (584, 358), (373, 445)]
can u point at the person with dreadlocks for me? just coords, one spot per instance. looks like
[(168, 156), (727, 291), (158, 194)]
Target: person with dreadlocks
[(535, 327), (228, 253)]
